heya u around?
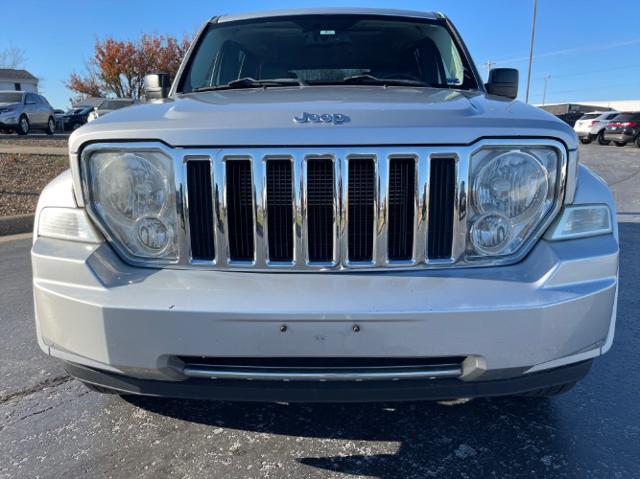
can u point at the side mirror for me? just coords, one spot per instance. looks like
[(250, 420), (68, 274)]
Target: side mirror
[(503, 82), (157, 86)]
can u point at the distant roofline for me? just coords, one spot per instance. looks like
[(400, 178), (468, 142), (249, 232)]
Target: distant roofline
[(328, 11), (17, 73)]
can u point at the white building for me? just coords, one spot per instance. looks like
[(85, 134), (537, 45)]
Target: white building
[(18, 80), (618, 105)]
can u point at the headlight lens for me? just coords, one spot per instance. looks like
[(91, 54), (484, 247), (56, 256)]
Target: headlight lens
[(513, 183), (132, 195), (513, 189)]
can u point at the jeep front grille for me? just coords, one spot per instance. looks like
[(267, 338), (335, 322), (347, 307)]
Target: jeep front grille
[(311, 210)]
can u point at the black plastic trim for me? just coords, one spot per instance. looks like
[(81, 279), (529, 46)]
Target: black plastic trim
[(364, 391)]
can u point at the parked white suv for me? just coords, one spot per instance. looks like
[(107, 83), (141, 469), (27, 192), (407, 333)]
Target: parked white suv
[(591, 126), (327, 205)]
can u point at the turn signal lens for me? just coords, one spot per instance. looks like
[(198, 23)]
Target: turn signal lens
[(70, 224), (581, 221)]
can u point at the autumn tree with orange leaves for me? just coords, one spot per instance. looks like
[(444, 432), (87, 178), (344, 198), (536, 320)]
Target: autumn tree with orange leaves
[(119, 66)]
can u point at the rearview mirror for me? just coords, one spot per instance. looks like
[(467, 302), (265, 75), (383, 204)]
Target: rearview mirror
[(503, 82), (157, 86)]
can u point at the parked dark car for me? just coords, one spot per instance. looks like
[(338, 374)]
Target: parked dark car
[(624, 128), (75, 117), (109, 105)]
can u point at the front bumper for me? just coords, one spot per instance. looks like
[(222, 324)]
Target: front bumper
[(618, 137), (584, 134), (554, 308), (8, 121)]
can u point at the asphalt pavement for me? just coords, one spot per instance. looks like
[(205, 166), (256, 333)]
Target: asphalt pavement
[(51, 426)]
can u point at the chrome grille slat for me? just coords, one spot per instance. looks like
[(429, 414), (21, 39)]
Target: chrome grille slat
[(401, 209), (240, 203), (441, 208), (279, 203), (320, 210), (200, 208), (360, 212)]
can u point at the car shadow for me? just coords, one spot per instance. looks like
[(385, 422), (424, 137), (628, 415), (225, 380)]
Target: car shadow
[(431, 437)]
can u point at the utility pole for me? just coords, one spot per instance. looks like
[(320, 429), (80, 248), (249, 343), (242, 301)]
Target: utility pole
[(489, 66), (544, 96), (533, 37)]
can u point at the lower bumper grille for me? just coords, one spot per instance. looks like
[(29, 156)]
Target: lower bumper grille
[(322, 369)]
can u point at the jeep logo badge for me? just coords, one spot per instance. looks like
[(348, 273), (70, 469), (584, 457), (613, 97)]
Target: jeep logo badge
[(335, 118)]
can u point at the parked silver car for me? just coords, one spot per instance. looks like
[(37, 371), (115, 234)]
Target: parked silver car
[(592, 126), (327, 205), (23, 112)]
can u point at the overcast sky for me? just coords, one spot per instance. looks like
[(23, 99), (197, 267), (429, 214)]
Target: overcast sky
[(591, 49)]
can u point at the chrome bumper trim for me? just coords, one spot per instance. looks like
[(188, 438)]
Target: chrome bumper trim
[(338, 374)]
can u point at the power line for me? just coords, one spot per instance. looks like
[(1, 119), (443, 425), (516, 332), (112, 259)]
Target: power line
[(566, 51), (602, 70)]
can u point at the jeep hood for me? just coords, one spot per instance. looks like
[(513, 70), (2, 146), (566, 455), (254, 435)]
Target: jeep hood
[(376, 116)]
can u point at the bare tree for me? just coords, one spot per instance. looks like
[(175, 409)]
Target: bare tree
[(12, 57)]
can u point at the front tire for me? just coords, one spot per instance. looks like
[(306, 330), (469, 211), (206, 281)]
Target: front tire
[(550, 391), (620, 144), (585, 141), (601, 140), (51, 126), (638, 141), (23, 125)]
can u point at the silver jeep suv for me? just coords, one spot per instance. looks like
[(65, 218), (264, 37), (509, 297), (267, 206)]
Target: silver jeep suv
[(327, 205), (23, 111)]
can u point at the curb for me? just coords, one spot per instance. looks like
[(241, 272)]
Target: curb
[(13, 225), (33, 150)]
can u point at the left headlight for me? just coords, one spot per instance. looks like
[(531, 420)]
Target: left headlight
[(512, 191), (132, 196)]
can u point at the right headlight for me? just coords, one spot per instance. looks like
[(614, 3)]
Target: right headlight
[(512, 191), (131, 194)]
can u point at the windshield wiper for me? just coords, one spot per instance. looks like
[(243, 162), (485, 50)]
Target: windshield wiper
[(373, 80), (249, 82)]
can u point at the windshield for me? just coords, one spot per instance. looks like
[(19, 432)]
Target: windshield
[(590, 116), (327, 49), (10, 97), (622, 117), (114, 104)]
